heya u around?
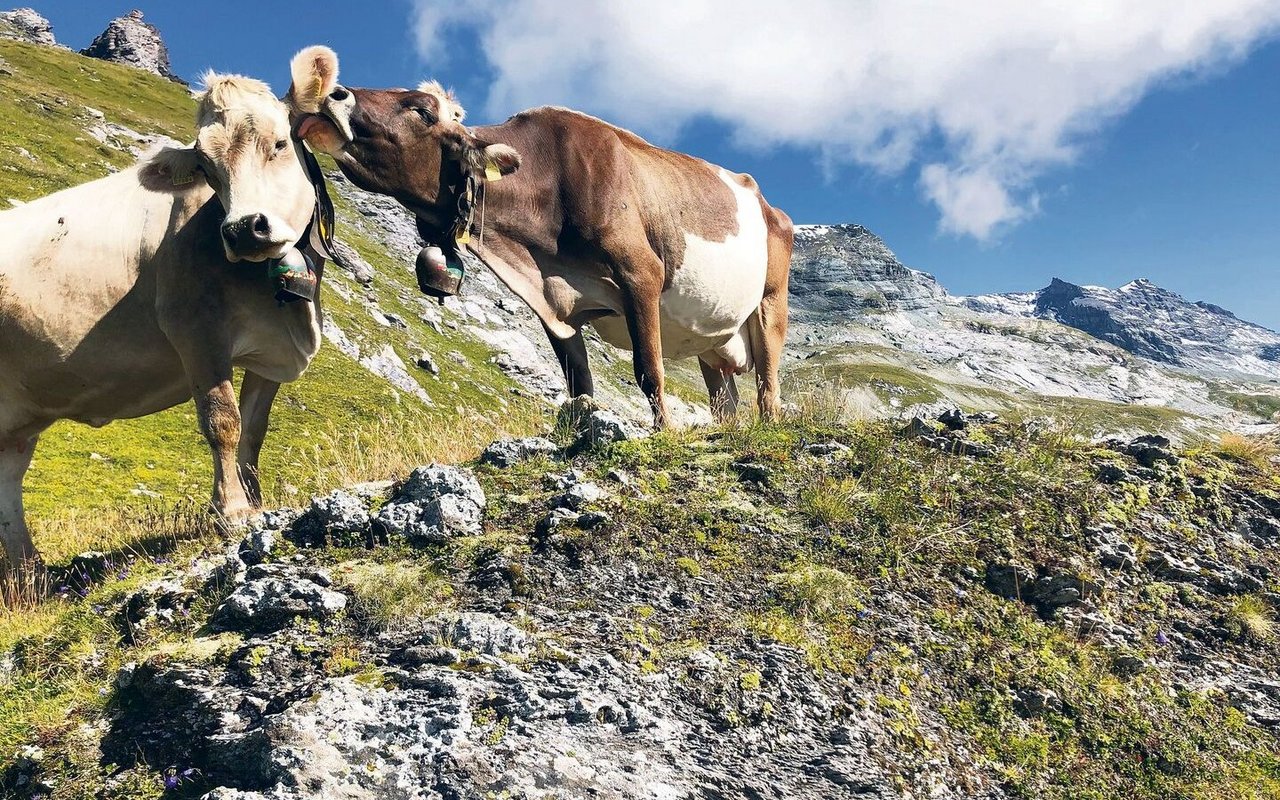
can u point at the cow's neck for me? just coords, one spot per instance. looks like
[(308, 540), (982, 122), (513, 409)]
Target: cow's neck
[(524, 208)]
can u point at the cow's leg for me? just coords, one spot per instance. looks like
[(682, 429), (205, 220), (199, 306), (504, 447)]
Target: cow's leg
[(722, 391), (572, 355), (640, 275), (769, 322), (219, 418), (15, 457), (256, 396)]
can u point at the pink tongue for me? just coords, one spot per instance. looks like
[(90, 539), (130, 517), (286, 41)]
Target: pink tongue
[(307, 126)]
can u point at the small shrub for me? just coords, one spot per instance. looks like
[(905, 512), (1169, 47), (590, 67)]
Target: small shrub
[(393, 595), (832, 502), (1250, 618), (690, 567), (816, 592)]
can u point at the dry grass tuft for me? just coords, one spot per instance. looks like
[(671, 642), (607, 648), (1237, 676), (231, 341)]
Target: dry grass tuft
[(389, 447), (1254, 450)]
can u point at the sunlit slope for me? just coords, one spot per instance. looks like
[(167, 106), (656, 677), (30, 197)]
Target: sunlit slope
[(338, 423)]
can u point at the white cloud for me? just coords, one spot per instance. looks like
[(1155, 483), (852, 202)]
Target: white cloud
[(978, 97)]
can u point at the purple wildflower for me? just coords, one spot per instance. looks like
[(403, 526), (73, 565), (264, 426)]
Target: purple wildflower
[(1161, 638)]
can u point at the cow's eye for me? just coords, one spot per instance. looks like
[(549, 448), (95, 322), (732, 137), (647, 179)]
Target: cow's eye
[(426, 115), (281, 144)]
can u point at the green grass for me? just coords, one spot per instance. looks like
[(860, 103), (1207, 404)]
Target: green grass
[(42, 111), (1263, 405)]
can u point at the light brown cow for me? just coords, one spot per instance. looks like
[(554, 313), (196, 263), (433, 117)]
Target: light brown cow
[(133, 293), (664, 254)]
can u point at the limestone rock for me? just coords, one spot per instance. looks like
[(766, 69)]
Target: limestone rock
[(434, 504), (509, 452), (26, 25), (272, 596), (130, 41)]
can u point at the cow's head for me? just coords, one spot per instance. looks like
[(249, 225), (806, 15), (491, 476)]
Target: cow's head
[(244, 152), (407, 143)]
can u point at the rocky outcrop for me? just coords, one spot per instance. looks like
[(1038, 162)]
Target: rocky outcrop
[(847, 269), (705, 624), (26, 25), (130, 41)]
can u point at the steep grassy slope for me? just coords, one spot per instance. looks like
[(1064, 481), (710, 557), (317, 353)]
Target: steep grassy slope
[(328, 427)]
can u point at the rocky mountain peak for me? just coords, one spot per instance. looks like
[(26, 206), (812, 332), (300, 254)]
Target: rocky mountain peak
[(848, 269), (26, 25), (1150, 321), (130, 41)]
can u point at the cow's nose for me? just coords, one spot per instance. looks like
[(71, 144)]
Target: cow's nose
[(248, 233)]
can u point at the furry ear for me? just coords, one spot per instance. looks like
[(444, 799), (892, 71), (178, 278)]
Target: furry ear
[(500, 160), (450, 108), (171, 169), (315, 74)]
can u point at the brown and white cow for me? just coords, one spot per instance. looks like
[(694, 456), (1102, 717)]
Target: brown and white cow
[(133, 293), (664, 254)]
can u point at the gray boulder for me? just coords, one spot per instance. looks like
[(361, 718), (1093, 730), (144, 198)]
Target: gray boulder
[(478, 633), (339, 517), (436, 503), (26, 25), (593, 426), (257, 546), (273, 596), (134, 43), (509, 452)]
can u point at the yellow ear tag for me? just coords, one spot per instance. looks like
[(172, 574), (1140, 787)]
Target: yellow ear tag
[(491, 172), (182, 180), (464, 237)]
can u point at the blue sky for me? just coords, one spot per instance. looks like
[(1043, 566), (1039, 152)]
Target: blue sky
[(1139, 158)]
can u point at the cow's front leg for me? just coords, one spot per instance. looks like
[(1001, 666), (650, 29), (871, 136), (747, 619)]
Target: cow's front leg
[(15, 457), (572, 355), (256, 396), (219, 419), (642, 285)]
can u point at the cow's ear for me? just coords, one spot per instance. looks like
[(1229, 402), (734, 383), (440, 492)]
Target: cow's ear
[(315, 74), (172, 169), (500, 160)]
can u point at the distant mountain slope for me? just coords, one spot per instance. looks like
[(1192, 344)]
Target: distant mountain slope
[(892, 338), (848, 269), (1152, 322)]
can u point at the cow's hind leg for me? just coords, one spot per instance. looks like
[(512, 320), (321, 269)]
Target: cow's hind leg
[(721, 390), (256, 396), (572, 355), (15, 457), (768, 325)]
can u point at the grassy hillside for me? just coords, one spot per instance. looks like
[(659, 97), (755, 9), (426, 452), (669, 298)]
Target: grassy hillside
[(334, 425), (1014, 623)]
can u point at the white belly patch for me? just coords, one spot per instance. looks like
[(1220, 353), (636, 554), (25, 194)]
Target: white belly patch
[(719, 284)]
